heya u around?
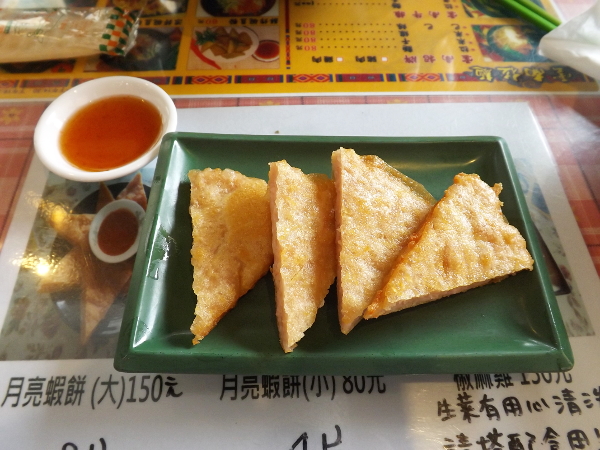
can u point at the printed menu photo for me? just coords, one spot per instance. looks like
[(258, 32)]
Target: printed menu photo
[(71, 288)]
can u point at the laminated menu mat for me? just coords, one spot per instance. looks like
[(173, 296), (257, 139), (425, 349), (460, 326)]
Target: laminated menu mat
[(293, 47)]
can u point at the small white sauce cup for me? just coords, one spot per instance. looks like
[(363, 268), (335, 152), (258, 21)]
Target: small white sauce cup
[(48, 129), (139, 214)]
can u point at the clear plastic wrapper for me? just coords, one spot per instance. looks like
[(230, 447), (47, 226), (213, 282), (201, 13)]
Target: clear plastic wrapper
[(35, 35)]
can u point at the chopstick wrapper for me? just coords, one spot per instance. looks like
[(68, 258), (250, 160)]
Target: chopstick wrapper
[(35, 35), (576, 43)]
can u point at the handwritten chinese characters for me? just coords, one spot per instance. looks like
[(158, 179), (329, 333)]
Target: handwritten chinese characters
[(491, 396), (70, 390), (253, 387)]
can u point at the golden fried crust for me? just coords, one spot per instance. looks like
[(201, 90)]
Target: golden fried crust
[(303, 225), (465, 242), (231, 247), (377, 210)]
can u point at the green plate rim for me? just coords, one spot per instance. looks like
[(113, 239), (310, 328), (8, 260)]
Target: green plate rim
[(129, 358)]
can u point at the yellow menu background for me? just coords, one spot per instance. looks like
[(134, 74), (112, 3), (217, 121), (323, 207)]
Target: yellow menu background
[(325, 46)]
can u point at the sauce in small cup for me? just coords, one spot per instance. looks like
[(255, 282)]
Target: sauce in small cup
[(267, 51), (110, 133), (99, 122), (115, 231)]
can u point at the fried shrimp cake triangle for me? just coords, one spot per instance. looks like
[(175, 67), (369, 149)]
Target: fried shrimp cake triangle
[(303, 224), (465, 242), (231, 235), (377, 210)]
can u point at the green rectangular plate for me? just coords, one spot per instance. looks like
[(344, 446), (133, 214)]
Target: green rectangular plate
[(512, 326)]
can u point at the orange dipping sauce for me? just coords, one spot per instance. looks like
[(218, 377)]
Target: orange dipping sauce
[(117, 232), (267, 50), (110, 133)]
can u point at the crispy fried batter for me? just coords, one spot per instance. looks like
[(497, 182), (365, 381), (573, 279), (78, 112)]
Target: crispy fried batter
[(465, 242), (231, 247), (303, 224), (377, 210)]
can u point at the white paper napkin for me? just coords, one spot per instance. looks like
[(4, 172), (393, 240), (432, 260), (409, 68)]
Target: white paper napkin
[(576, 43)]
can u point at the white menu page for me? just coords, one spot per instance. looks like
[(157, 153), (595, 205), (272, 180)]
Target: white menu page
[(83, 403)]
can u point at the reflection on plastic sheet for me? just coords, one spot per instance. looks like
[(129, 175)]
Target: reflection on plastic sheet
[(67, 303), (300, 47), (569, 299)]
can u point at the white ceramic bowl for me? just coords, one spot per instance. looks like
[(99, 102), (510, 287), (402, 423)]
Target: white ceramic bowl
[(47, 131), (139, 214)]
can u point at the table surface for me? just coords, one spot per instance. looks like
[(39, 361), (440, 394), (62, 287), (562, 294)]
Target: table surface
[(570, 123)]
